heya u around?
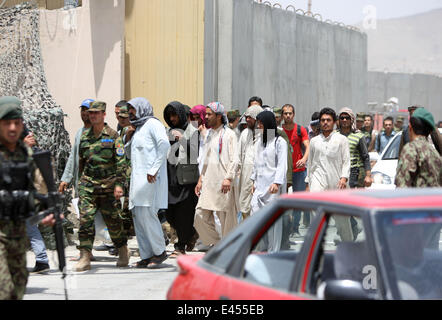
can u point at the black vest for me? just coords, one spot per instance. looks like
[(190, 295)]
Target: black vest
[(16, 190)]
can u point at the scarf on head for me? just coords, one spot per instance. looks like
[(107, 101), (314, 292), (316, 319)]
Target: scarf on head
[(253, 111), (352, 116), (201, 111), (144, 111), (270, 127), (179, 109), (218, 108)]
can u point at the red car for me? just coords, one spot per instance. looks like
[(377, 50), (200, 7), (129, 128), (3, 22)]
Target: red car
[(360, 244)]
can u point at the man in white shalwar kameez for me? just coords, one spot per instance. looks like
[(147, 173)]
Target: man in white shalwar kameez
[(215, 188), (329, 164), (246, 154), (147, 147)]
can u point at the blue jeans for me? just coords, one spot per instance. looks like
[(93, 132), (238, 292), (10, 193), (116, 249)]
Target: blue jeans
[(298, 186), (37, 243)]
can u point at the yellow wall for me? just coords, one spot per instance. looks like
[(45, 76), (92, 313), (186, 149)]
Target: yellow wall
[(164, 57)]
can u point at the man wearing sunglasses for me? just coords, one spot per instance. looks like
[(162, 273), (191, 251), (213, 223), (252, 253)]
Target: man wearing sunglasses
[(360, 168)]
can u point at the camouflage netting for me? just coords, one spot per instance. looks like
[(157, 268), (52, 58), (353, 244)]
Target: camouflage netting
[(22, 75)]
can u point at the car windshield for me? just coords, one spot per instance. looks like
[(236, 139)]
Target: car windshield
[(392, 152), (413, 241)]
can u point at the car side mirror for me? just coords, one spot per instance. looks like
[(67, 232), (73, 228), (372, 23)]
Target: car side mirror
[(344, 290)]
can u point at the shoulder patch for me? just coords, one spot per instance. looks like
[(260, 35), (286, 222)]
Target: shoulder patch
[(120, 151)]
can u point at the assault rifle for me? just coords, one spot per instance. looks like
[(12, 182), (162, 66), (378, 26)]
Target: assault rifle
[(53, 201)]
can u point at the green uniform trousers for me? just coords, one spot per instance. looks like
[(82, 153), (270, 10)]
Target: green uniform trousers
[(13, 272), (89, 204)]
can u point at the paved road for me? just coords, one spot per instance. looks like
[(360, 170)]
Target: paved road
[(104, 281)]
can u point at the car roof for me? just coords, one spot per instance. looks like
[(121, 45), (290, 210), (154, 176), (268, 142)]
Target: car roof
[(375, 199)]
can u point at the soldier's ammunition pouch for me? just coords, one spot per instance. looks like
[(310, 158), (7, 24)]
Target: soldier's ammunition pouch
[(16, 190), (17, 205)]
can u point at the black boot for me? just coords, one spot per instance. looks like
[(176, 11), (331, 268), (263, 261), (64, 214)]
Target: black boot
[(40, 267)]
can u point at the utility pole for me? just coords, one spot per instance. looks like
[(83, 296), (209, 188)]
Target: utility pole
[(309, 6)]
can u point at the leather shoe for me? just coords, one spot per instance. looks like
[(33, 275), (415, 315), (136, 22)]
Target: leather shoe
[(40, 268)]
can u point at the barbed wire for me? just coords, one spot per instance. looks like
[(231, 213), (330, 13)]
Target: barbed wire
[(307, 13)]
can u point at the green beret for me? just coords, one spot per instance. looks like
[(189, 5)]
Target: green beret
[(10, 108), (425, 116), (124, 112), (97, 106)]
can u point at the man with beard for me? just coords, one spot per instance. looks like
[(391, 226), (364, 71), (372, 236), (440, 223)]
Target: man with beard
[(215, 186), (246, 153), (359, 157), (147, 147), (329, 164), (182, 166)]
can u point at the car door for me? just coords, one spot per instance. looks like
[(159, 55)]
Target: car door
[(342, 263), (266, 270)]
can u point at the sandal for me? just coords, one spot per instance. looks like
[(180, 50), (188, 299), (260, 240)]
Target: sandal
[(177, 253), (143, 263), (155, 261)]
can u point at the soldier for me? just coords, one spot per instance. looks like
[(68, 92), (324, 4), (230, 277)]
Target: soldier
[(101, 177), (420, 165), (278, 115), (234, 116), (15, 159), (360, 117), (399, 124), (125, 214)]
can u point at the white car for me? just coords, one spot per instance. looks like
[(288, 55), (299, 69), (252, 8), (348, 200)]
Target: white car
[(384, 171)]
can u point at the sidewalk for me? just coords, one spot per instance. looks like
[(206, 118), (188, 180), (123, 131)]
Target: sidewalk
[(104, 281)]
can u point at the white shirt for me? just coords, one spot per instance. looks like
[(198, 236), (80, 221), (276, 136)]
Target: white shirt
[(220, 162), (246, 157), (328, 161), (148, 151), (270, 168)]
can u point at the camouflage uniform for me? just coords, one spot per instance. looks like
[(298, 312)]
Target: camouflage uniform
[(100, 168), (125, 170), (419, 166), (14, 240)]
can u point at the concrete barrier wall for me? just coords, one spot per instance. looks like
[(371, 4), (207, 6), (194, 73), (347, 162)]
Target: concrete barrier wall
[(282, 57), (410, 89)]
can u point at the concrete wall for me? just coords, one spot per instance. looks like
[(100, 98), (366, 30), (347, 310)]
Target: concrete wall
[(410, 89), (82, 51), (253, 49)]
